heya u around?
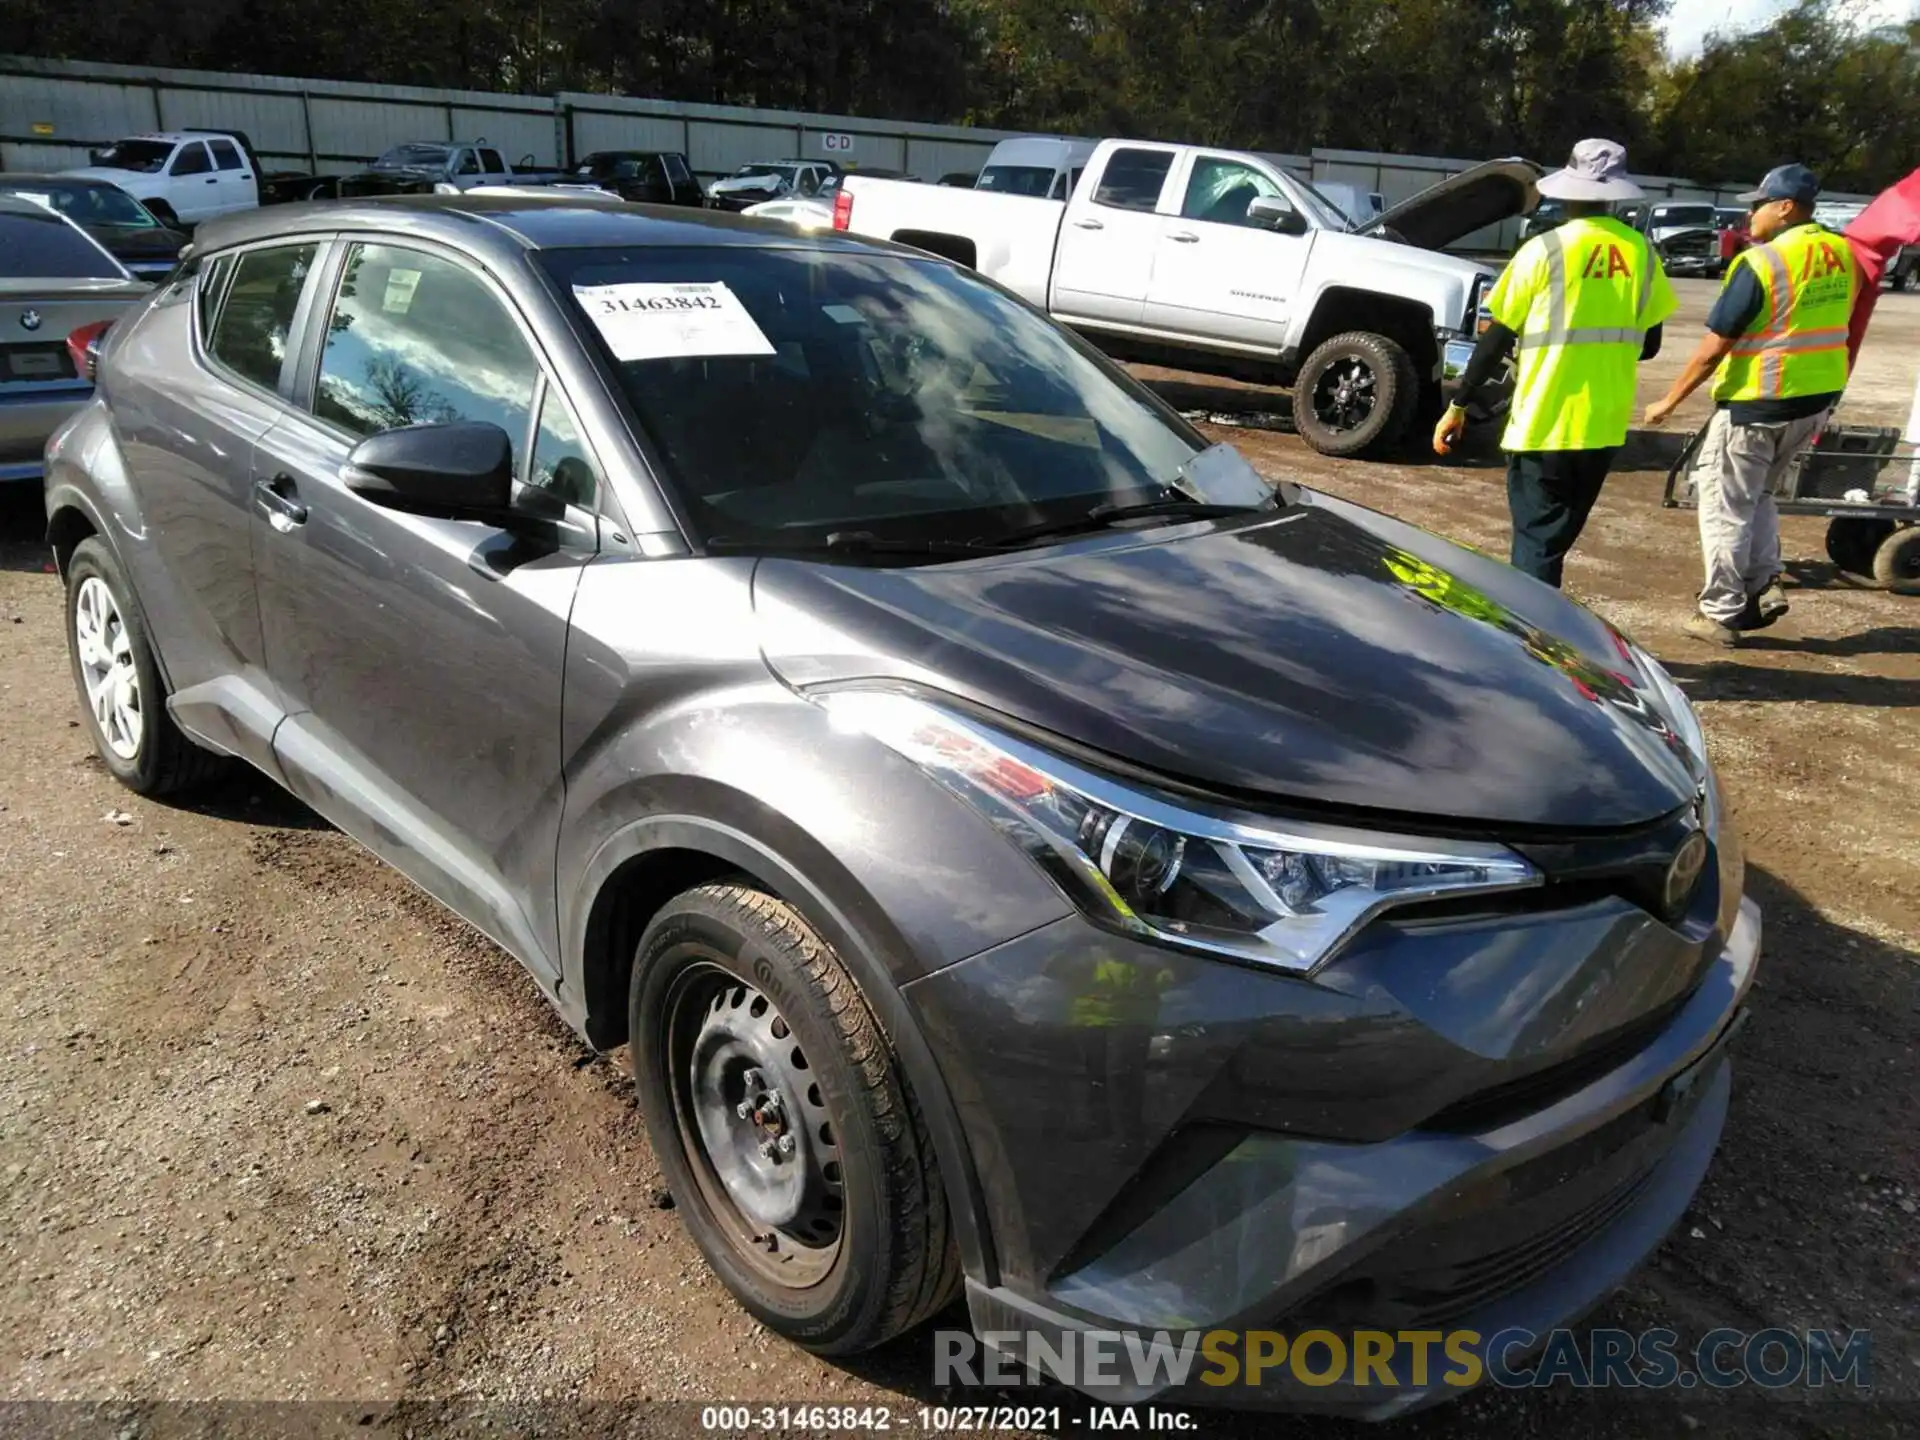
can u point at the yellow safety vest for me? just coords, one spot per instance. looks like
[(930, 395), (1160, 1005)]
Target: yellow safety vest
[(1581, 298), (1797, 344)]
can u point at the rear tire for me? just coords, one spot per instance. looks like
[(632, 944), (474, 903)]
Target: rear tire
[(746, 1032), (118, 680), (1896, 564), (1356, 395), (1852, 544)]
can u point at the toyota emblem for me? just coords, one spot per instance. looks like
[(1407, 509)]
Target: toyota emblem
[(1684, 872), (30, 319)]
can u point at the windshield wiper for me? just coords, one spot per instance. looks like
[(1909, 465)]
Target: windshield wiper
[(849, 542), (1111, 513)]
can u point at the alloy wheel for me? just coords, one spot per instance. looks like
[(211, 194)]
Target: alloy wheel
[(107, 668), (751, 1117), (1345, 394)]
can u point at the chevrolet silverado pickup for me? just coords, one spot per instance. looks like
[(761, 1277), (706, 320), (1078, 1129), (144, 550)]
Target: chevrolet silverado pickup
[(1219, 261)]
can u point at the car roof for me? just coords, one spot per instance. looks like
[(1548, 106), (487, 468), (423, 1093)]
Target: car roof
[(38, 178), (501, 225)]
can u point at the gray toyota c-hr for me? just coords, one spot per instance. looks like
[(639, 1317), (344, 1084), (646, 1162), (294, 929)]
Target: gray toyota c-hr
[(1025, 854)]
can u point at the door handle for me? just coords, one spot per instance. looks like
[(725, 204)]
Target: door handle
[(1185, 237), (1089, 225), (213, 179), (279, 504)]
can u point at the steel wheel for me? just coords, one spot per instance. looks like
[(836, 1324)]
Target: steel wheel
[(107, 668), (764, 1151), (1346, 394)]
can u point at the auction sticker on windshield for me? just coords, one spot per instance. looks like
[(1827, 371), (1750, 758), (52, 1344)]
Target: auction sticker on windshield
[(665, 322)]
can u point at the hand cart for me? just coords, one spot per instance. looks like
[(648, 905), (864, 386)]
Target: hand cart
[(1864, 478)]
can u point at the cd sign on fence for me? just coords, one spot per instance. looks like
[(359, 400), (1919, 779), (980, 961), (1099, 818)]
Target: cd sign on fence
[(835, 143)]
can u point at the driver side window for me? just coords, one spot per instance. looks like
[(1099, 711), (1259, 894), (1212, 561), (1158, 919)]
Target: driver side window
[(1220, 190), (417, 340)]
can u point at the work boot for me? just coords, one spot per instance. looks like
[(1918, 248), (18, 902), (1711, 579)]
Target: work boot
[(1771, 602), (1703, 627)]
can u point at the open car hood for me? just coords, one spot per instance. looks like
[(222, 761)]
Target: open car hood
[(1444, 214)]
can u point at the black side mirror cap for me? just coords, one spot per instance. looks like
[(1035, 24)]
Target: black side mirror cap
[(457, 471)]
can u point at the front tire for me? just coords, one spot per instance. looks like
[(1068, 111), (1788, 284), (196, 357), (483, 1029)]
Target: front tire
[(1356, 395), (119, 684), (790, 1140)]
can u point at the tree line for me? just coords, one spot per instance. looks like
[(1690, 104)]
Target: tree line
[(1464, 78)]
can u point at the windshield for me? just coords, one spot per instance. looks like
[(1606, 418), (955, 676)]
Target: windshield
[(1325, 213), (788, 173), (87, 204), (412, 157), (39, 245), (1683, 215), (791, 394), (144, 157), (1017, 179)]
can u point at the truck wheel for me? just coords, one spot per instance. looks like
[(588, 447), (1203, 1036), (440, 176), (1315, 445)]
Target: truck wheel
[(788, 1137), (1900, 279), (1852, 543), (1356, 394), (1896, 564)]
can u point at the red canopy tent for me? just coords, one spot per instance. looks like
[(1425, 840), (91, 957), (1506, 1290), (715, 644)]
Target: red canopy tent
[(1876, 235)]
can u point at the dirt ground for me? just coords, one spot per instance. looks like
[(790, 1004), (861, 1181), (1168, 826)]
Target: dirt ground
[(275, 1127)]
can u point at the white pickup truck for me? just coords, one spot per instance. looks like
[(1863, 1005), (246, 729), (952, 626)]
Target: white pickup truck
[(182, 176), (1222, 262)]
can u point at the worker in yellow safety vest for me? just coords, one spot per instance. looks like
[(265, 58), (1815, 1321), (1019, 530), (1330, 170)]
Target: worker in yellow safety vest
[(1584, 303), (1776, 345)]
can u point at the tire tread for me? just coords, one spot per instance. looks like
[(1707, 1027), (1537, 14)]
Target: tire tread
[(923, 1275)]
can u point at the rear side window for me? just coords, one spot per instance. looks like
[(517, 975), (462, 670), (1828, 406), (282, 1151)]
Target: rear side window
[(1133, 179), (677, 168), (192, 160), (418, 340), (491, 159), (39, 245), (249, 333), (225, 155)]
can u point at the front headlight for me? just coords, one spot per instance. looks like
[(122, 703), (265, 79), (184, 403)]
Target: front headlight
[(1151, 866)]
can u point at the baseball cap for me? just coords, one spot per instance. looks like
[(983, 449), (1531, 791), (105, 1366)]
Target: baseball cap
[(1784, 182)]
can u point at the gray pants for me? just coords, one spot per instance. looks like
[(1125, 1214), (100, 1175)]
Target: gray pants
[(1739, 524)]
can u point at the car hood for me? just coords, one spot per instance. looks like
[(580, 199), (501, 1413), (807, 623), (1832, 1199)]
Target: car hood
[(1327, 657), (1444, 214), (737, 184), (127, 180)]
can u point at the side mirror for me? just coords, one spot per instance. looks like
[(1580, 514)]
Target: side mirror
[(460, 471), (1275, 212)]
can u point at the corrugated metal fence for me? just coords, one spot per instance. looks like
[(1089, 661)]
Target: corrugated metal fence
[(53, 111)]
